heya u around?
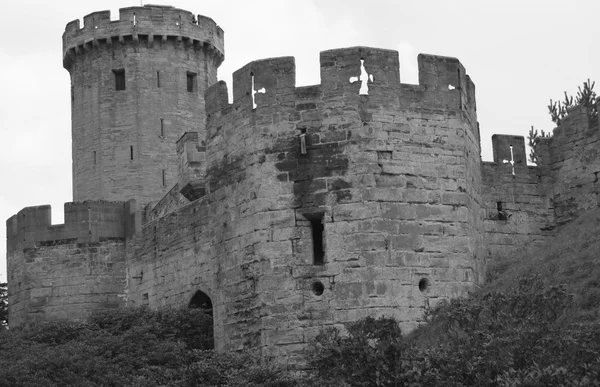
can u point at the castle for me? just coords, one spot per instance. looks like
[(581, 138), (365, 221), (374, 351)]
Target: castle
[(290, 209)]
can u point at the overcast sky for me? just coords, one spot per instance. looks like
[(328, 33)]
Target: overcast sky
[(519, 54)]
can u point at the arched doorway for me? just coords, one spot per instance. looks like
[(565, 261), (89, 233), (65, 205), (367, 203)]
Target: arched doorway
[(201, 300), (205, 330)]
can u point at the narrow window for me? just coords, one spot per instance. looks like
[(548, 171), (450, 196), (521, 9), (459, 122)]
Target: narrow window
[(502, 215), (191, 82), (317, 228), (94, 157), (72, 93), (164, 178), (131, 152), (119, 79), (158, 79), (162, 127)]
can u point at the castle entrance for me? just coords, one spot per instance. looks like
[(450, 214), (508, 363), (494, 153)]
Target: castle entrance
[(202, 301)]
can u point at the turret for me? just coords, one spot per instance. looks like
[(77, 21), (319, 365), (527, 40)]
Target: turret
[(357, 196), (137, 85)]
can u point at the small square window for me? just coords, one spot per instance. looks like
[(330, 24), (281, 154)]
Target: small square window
[(191, 82), (119, 79)]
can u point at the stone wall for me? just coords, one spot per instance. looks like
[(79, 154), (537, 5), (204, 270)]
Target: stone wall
[(518, 210), (67, 270), (124, 140), (571, 158), (393, 177), (168, 262)]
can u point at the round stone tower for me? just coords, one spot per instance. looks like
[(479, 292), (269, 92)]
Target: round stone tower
[(356, 197), (137, 84)]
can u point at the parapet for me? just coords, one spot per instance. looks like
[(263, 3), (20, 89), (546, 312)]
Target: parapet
[(509, 155), (443, 82), (508, 148), (192, 166), (150, 22), (85, 222)]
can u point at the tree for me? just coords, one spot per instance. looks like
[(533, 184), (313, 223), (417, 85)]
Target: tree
[(3, 305)]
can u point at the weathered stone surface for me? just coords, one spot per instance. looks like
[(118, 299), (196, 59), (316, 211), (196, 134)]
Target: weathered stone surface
[(292, 208), (124, 140)]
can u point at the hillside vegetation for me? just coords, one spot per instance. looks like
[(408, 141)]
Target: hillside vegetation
[(571, 259), (536, 323)]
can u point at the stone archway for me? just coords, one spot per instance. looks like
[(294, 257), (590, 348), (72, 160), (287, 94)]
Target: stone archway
[(201, 300)]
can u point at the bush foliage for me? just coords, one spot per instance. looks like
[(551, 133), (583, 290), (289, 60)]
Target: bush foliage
[(3, 305), (521, 337), (128, 347)]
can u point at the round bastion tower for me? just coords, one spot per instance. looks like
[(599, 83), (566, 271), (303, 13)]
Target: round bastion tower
[(137, 84)]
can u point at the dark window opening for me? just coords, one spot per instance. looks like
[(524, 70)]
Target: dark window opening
[(94, 157), (158, 79), (164, 178), (502, 215), (318, 288), (72, 94), (162, 127), (191, 82), (145, 298), (119, 79), (423, 284), (317, 228), (131, 152)]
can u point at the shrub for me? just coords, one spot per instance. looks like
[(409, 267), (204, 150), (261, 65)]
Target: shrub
[(133, 347), (520, 337)]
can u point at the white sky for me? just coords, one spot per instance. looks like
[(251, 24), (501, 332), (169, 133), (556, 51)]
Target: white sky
[(519, 54)]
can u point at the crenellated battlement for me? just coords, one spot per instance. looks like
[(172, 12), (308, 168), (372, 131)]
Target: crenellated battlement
[(509, 155), (366, 74), (85, 222), (149, 24)]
